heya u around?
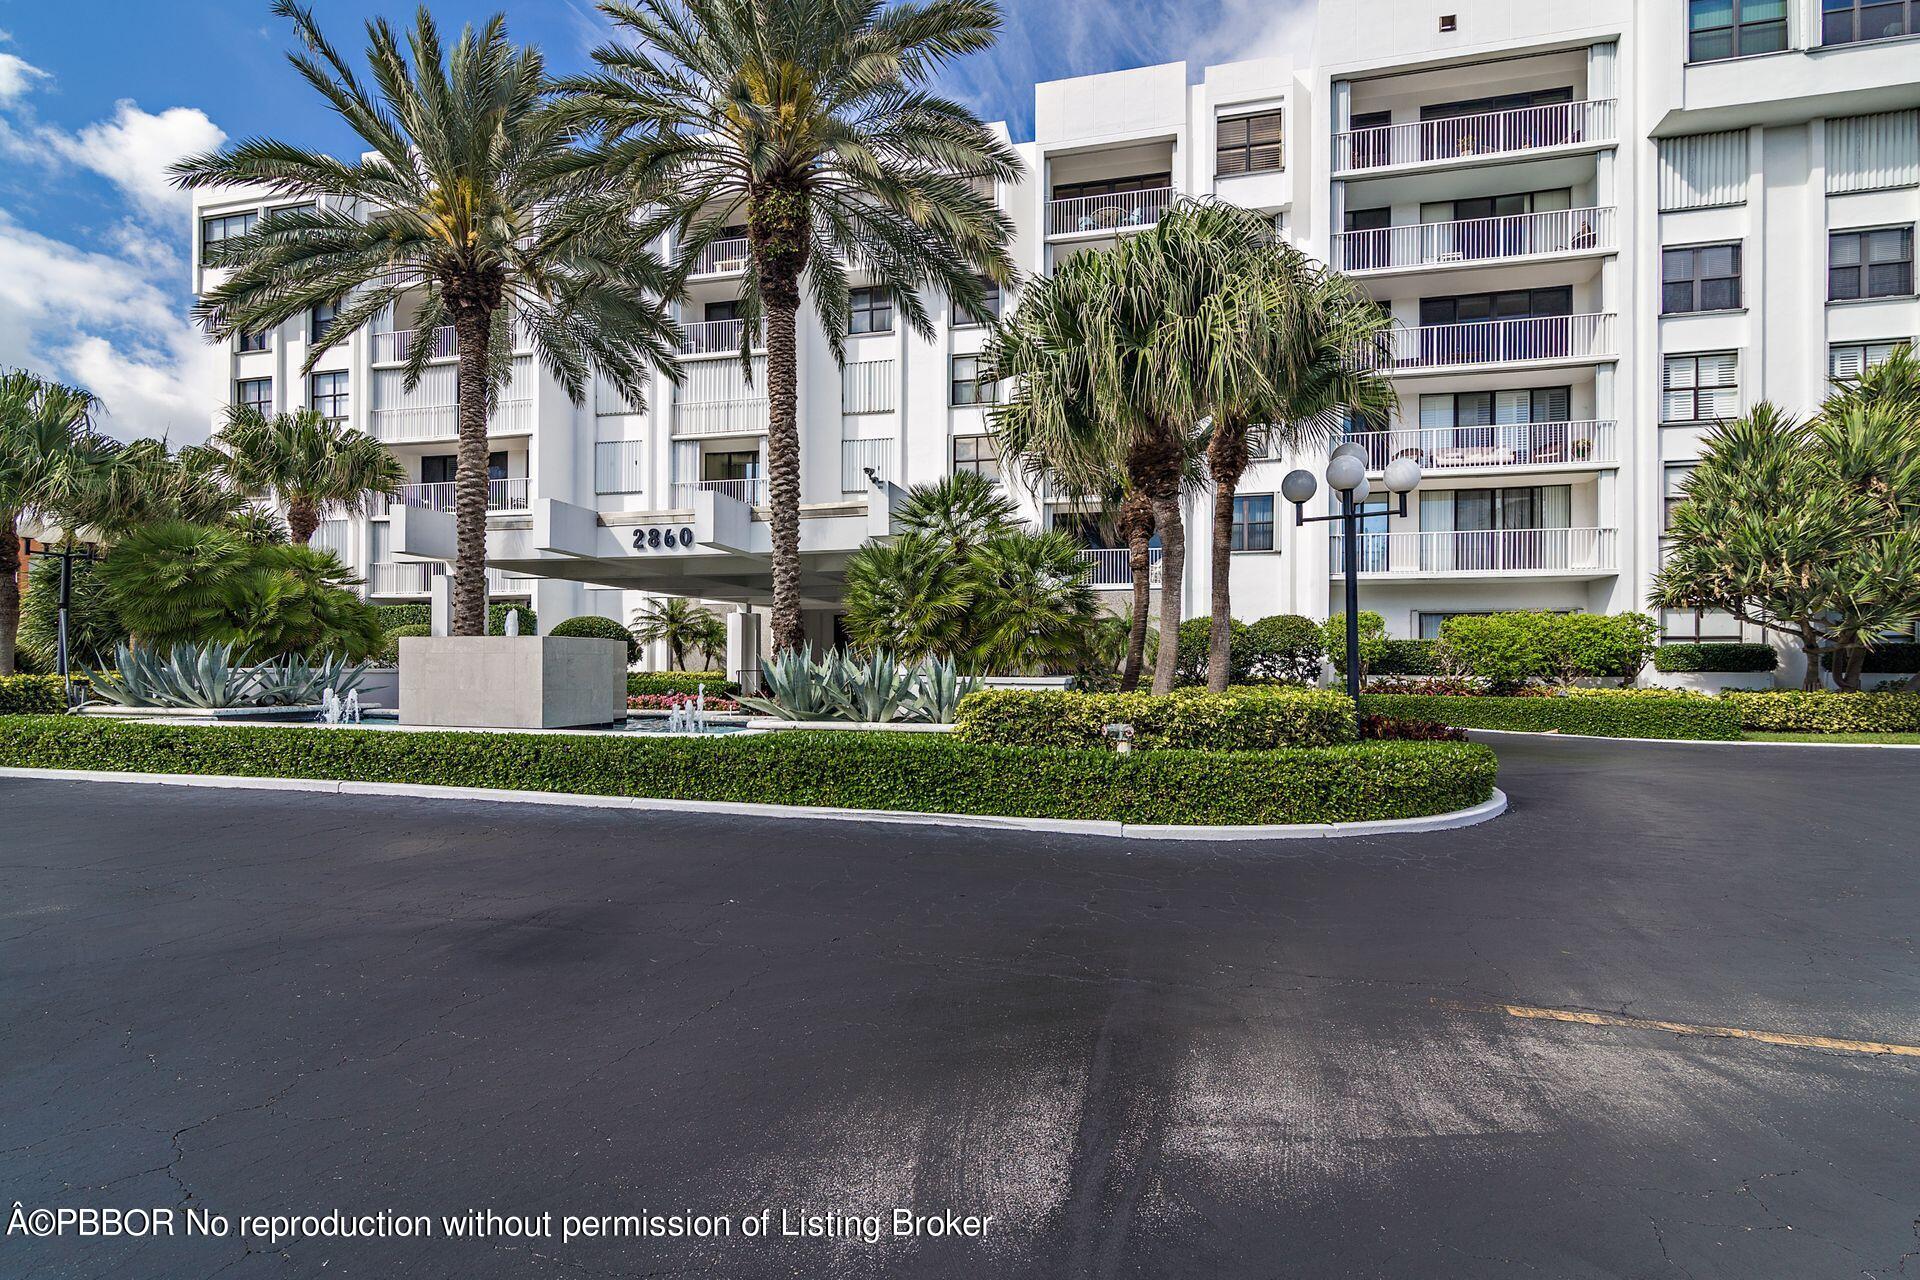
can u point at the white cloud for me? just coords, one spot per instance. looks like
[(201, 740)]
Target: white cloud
[(17, 75), (135, 149)]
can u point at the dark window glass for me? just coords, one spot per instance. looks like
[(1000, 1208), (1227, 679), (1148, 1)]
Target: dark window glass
[(964, 317), (743, 464), (320, 320), (253, 341), (254, 392), (1248, 144), (977, 454), (1870, 264), (1701, 278), (872, 311), (1734, 28), (216, 231), (442, 468), (1848, 21), (328, 394), (967, 389), (1253, 522), (1113, 186)]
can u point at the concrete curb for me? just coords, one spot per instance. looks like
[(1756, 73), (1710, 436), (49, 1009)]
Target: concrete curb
[(1700, 742), (1479, 813)]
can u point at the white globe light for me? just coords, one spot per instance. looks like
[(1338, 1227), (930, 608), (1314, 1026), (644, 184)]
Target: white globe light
[(1403, 475), (1299, 486), (1346, 472), (1361, 490), (1351, 449)]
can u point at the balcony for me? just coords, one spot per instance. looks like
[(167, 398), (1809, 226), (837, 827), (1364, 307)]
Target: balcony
[(413, 424), (857, 457), (397, 347), (502, 495), (412, 578), (1104, 215), (1492, 447), (718, 398), (1495, 553), (1479, 344), (715, 338), (1513, 237), (1471, 139), (726, 257), (1111, 568), (751, 490)]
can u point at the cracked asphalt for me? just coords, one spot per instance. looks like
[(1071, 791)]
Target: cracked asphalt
[(1162, 1061)]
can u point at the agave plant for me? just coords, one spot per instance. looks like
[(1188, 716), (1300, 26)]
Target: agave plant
[(800, 688), (876, 691), (188, 675), (938, 688), (879, 690), (295, 682)]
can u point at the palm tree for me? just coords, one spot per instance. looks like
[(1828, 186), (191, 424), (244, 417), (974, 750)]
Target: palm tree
[(811, 121), (909, 596), (960, 511), (461, 204), (311, 465), (682, 624), (145, 482), (49, 454), (1084, 415), (1034, 608)]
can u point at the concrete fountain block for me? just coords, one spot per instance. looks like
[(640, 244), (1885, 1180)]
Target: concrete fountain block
[(512, 682)]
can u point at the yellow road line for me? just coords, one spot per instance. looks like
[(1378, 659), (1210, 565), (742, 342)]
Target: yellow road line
[(1584, 1018)]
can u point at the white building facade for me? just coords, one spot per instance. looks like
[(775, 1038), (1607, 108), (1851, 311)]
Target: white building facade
[(1599, 226)]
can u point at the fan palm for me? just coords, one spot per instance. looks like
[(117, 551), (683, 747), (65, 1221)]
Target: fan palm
[(910, 597), (682, 625), (962, 511), (144, 482), (1035, 609), (460, 205), (49, 455), (811, 121), (311, 465)]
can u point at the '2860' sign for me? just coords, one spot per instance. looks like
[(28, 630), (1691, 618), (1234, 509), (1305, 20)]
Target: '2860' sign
[(654, 538)]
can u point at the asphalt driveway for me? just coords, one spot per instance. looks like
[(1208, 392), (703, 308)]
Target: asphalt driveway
[(1303, 1059)]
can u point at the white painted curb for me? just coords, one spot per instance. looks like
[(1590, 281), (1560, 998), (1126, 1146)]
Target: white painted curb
[(1479, 813), (1698, 742)]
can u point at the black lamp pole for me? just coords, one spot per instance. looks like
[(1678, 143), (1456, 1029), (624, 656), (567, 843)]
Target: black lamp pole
[(66, 554)]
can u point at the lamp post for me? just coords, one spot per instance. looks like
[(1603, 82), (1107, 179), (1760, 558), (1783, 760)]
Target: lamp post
[(1347, 476), (60, 546)]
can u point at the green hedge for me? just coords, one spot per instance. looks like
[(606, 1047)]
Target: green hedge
[(1243, 719), (32, 696), (1715, 657), (593, 627), (1900, 658), (1634, 714), (390, 647), (1408, 658), (924, 772), (416, 613), (642, 683), (1795, 711), (411, 614)]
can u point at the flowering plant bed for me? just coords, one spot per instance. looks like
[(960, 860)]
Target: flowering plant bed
[(668, 701)]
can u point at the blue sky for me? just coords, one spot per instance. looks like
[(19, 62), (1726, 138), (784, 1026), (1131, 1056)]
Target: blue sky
[(97, 97)]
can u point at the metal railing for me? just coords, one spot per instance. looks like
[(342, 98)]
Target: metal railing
[(857, 456), (714, 337), (502, 495), (722, 257), (752, 491), (1113, 566), (442, 421), (1122, 211), (412, 578), (1475, 137), (1518, 551), (1517, 235), (1511, 444), (397, 346), (1486, 342)]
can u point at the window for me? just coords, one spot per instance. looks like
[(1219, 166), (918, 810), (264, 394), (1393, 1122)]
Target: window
[(977, 454), (1429, 624), (1515, 304), (1490, 510), (967, 389), (252, 341), (444, 468), (872, 311), (321, 319), (1113, 186), (1719, 29), (1870, 264), (1847, 361), (328, 394), (734, 464), (1848, 21), (1702, 388), (254, 393), (1248, 144), (215, 232), (1692, 626), (1253, 522), (1703, 278), (1673, 491), (964, 317)]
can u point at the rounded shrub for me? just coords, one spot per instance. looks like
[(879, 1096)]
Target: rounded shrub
[(390, 648), (32, 695), (1715, 657), (594, 627), (1408, 658), (1285, 647)]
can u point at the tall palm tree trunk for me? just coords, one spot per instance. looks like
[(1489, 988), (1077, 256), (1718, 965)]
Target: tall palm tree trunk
[(778, 229), (302, 519), (1136, 526), (1173, 568), (471, 328), (9, 593), (1226, 461)]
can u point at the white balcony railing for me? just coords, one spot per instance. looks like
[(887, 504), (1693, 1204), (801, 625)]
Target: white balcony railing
[(1476, 137), (1123, 211), (412, 578), (752, 491), (1477, 343), (1113, 566), (1480, 552), (723, 257), (442, 422), (1432, 244), (502, 495), (1515, 444), (857, 457), (397, 347), (714, 337)]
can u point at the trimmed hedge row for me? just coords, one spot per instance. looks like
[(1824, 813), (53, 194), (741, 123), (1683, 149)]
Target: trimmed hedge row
[(417, 613), (1715, 657), (1635, 714), (32, 696), (923, 772), (642, 683), (1241, 719), (1798, 711)]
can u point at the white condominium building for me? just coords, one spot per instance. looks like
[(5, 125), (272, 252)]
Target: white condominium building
[(1599, 226)]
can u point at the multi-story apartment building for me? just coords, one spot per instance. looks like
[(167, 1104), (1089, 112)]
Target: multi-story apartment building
[(1598, 226)]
